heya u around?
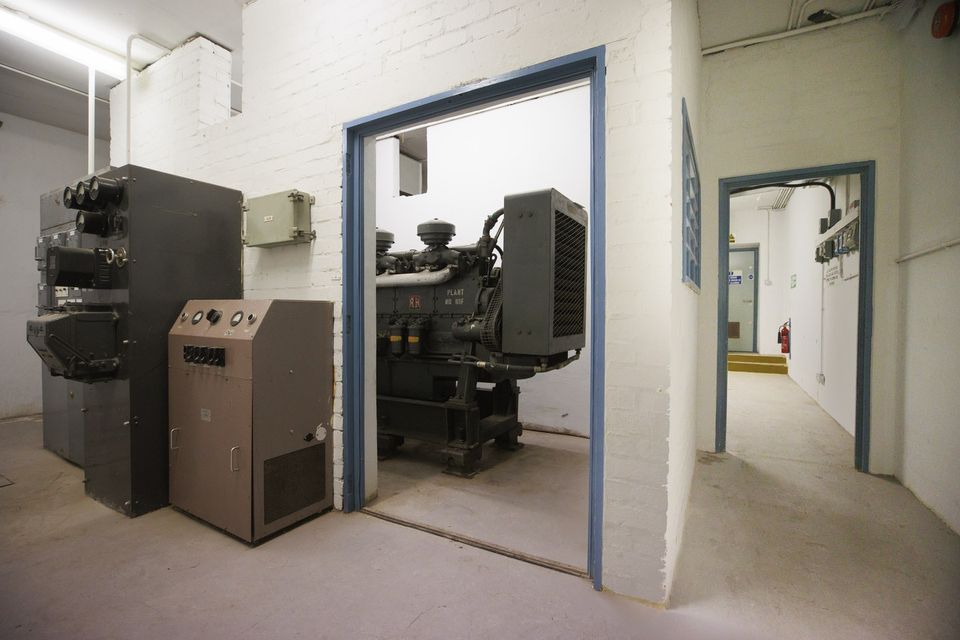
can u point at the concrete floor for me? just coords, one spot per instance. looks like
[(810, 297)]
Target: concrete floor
[(71, 568), (533, 500), (784, 537), (778, 544)]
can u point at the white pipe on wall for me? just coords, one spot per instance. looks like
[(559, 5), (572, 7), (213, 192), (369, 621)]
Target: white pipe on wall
[(929, 250), (91, 119), (793, 7), (799, 16), (768, 281), (796, 32), (129, 107)]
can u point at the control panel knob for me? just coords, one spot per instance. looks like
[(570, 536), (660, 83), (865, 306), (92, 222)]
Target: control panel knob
[(214, 315)]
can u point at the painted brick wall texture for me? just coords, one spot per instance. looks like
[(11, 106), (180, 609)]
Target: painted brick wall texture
[(310, 66)]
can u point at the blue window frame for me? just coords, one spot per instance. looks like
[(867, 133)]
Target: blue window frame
[(691, 206)]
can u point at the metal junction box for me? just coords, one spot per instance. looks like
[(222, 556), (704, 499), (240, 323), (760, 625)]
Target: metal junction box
[(251, 405), (278, 219)]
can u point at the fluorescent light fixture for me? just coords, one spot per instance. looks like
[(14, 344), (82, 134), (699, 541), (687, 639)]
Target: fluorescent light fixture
[(17, 24)]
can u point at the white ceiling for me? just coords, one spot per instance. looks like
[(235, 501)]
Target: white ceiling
[(723, 21), (108, 23), (105, 23)]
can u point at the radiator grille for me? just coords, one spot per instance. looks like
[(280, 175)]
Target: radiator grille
[(569, 281), (293, 481)]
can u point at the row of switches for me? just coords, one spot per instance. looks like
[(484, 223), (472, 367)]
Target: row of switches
[(215, 356)]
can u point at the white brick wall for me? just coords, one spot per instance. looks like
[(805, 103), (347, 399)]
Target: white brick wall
[(310, 66), (174, 99), (682, 452)]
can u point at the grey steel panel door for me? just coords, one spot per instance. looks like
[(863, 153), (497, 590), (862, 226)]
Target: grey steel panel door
[(209, 439), (742, 284)]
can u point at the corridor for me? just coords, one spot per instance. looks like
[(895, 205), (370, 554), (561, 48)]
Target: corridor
[(784, 535)]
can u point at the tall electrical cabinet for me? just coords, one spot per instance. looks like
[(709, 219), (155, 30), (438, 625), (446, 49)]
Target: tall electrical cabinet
[(120, 254), (62, 398)]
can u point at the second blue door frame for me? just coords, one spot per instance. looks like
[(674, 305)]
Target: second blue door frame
[(587, 64), (867, 172)]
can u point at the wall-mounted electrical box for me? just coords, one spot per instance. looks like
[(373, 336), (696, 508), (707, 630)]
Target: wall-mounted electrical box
[(278, 219), (843, 241)]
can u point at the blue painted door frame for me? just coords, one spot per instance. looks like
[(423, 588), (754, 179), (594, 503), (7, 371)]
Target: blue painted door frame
[(867, 172), (587, 64)]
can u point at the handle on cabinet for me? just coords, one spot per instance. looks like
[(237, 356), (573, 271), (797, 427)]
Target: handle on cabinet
[(172, 431), (235, 459)]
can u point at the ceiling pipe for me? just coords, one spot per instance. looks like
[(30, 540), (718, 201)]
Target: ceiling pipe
[(790, 13), (796, 32), (129, 107), (27, 74), (799, 16)]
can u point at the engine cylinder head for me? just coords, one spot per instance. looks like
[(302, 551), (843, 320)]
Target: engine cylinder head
[(384, 240), (436, 232)]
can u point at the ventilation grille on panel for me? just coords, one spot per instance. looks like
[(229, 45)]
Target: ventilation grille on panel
[(569, 277), (293, 481)]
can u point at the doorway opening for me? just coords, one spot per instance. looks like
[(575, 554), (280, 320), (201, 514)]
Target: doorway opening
[(794, 313), (399, 484), (742, 281), (520, 482)]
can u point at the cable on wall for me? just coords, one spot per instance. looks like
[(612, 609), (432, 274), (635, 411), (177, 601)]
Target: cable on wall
[(786, 185)]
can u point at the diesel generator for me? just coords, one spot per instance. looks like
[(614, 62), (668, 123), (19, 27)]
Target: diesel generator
[(458, 326)]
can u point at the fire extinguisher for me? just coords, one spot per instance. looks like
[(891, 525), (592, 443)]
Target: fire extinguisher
[(783, 337)]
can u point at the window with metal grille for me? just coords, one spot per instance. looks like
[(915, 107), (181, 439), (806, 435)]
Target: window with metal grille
[(691, 207)]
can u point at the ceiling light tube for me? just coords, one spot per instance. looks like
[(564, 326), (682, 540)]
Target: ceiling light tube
[(19, 25)]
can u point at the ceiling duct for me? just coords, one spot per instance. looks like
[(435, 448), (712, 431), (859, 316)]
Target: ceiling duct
[(783, 199)]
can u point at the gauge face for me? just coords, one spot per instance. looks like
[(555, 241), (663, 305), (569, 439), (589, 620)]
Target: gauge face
[(197, 317), (236, 318)]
